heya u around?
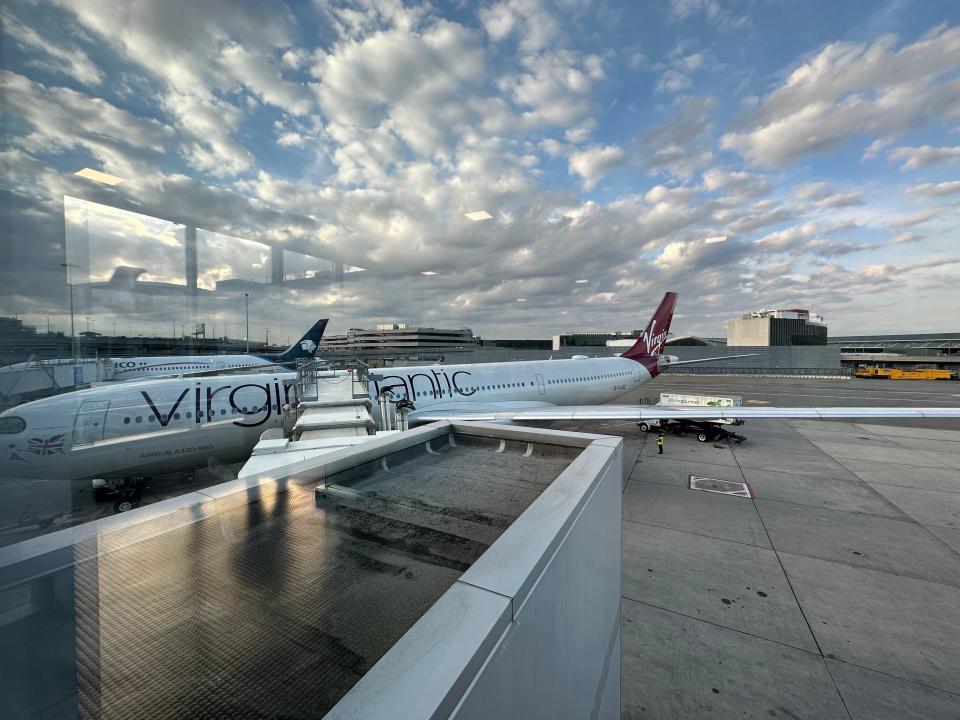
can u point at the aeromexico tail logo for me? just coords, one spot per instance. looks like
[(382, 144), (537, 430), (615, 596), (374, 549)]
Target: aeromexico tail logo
[(653, 340), (308, 345)]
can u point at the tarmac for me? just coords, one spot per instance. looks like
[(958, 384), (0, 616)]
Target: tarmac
[(833, 593)]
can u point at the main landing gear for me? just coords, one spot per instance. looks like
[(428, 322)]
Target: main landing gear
[(126, 494)]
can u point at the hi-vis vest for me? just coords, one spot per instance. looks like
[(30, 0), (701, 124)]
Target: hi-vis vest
[(660, 440)]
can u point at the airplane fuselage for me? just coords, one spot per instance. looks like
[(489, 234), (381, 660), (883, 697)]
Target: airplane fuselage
[(499, 386), (141, 428), (137, 368)]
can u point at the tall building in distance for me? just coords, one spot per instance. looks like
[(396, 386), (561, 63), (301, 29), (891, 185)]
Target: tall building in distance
[(398, 339), (777, 328)]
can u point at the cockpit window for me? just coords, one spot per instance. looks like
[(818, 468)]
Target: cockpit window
[(11, 425)]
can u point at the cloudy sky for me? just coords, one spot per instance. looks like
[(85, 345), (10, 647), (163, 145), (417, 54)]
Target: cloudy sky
[(745, 153)]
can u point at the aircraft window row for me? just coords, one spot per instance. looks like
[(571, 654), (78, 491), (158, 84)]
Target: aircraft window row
[(189, 415), (588, 378), (11, 425), (475, 388), (502, 386)]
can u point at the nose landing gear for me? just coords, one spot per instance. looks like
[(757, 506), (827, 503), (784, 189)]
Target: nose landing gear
[(126, 494)]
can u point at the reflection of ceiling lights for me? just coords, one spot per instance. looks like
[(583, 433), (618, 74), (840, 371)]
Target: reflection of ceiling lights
[(521, 299), (581, 282), (91, 174), (715, 239), (479, 215), (428, 272)]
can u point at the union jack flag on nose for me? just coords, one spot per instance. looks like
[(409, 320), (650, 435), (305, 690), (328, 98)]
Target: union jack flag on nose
[(48, 446)]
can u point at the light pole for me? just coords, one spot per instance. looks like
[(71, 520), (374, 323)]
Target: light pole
[(246, 312), (73, 335)]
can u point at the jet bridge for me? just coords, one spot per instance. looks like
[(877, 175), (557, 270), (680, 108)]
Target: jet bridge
[(453, 570), (38, 378)]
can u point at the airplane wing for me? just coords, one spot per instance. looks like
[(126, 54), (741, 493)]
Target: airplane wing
[(710, 359), (661, 412)]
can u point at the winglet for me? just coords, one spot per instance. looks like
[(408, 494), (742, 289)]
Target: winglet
[(654, 336)]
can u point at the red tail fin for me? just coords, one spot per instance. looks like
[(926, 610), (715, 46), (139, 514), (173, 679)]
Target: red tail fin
[(654, 337)]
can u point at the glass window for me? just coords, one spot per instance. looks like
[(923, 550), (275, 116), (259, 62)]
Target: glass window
[(11, 425)]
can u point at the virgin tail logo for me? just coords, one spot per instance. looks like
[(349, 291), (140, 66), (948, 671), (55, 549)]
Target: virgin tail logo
[(654, 336)]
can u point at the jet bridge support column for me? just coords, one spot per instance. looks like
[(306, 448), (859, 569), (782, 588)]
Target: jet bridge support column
[(276, 265), (190, 269)]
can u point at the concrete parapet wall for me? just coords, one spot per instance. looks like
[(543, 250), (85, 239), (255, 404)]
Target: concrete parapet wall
[(532, 629)]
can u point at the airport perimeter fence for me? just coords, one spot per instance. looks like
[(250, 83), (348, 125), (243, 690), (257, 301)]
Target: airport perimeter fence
[(818, 373)]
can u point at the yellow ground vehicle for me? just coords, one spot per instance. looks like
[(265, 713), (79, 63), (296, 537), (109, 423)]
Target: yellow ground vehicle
[(898, 374)]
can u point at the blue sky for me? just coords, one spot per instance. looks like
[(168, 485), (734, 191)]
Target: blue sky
[(609, 140)]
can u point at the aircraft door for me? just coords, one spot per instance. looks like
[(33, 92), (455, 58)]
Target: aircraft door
[(90, 423), (540, 386)]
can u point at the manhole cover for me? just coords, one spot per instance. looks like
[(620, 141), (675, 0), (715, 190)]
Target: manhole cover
[(724, 487)]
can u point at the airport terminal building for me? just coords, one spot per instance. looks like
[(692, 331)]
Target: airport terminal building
[(777, 328)]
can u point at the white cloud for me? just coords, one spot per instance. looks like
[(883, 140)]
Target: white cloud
[(555, 86), (677, 70), (419, 88), (673, 81), (916, 158), (263, 76), (927, 191), (840, 200), (743, 184), (211, 123), (824, 195), (59, 57), (290, 139), (714, 11), (681, 144), (918, 218), (905, 238), (594, 162), (202, 54), (875, 148), (536, 26), (849, 89), (758, 215), (62, 119)]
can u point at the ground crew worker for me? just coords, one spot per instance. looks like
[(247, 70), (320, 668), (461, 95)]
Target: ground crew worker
[(660, 445)]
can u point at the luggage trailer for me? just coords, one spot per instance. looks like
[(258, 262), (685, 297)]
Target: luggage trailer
[(704, 430)]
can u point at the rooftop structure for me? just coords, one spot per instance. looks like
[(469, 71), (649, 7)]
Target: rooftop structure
[(391, 340), (765, 327)]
